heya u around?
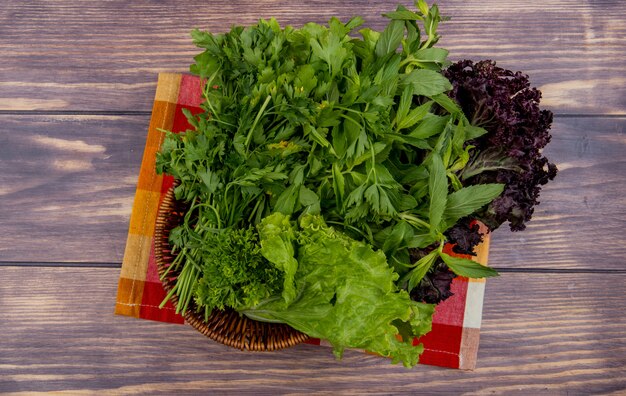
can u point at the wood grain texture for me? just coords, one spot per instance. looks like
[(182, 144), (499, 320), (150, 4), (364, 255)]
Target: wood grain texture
[(68, 186), (104, 55), (59, 334), (582, 215), (69, 181)]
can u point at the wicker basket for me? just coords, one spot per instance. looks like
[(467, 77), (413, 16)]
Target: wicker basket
[(227, 327)]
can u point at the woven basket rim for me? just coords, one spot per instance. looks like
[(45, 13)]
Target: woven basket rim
[(227, 327)]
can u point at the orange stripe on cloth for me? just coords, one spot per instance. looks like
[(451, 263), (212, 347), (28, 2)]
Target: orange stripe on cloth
[(136, 257), (129, 296), (147, 197), (168, 86), (144, 212)]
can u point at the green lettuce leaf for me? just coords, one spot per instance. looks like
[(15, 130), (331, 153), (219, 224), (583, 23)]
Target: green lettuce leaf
[(346, 292), (277, 239)]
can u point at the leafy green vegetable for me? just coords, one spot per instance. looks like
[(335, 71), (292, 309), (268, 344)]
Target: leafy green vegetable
[(346, 292), (469, 199), (324, 126), (465, 267), (313, 120), (234, 272), (277, 246), (438, 190)]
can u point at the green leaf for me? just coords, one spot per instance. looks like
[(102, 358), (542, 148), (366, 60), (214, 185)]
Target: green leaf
[(421, 269), (431, 125), (400, 233), (330, 49), (447, 103), (407, 202), (438, 188), (210, 180), (423, 6), (390, 39), (435, 55), (427, 82), (286, 202), (191, 118), (405, 104), (318, 136), (339, 184), (489, 159), (420, 241), (415, 115), (467, 268), (404, 15), (277, 238), (407, 139), (346, 294), (472, 132), (308, 197), (412, 41), (354, 22), (468, 200)]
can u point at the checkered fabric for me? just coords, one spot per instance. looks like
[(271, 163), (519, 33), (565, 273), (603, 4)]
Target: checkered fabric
[(453, 341)]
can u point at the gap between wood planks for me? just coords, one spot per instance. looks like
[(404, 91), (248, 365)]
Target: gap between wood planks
[(80, 264)]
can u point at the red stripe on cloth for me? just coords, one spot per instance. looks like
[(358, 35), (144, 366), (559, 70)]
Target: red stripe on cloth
[(441, 346), (452, 310), (152, 273), (168, 181), (153, 295), (180, 120), (190, 93)]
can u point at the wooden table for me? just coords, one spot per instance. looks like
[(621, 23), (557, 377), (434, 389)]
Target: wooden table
[(77, 81)]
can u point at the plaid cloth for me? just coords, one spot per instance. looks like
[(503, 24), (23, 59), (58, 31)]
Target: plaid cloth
[(453, 341)]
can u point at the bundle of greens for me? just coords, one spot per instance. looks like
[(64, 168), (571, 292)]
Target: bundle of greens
[(324, 177)]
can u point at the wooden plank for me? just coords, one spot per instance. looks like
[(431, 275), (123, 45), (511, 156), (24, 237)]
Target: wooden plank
[(105, 55), (68, 186), (69, 183), (582, 215), (559, 334)]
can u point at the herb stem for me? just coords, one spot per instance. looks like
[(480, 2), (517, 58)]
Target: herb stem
[(256, 120), (206, 94), (411, 219)]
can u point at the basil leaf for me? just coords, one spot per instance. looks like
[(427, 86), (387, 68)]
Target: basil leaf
[(467, 268), (421, 268), (436, 55), (468, 200), (397, 238), (404, 15), (447, 103), (286, 202), (415, 115), (472, 132), (427, 82), (438, 188), (390, 39), (431, 125)]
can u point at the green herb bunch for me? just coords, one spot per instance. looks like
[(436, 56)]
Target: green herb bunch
[(354, 128)]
